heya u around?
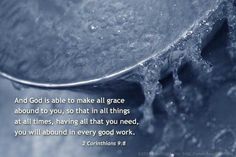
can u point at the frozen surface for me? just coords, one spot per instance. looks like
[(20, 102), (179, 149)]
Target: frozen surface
[(56, 41)]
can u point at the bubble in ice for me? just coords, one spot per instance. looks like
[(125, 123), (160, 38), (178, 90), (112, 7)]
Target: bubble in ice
[(92, 27), (171, 109), (232, 93), (224, 140), (172, 155)]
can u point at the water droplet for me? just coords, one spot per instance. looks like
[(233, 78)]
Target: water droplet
[(92, 28), (171, 108), (172, 155), (232, 93), (225, 140)]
